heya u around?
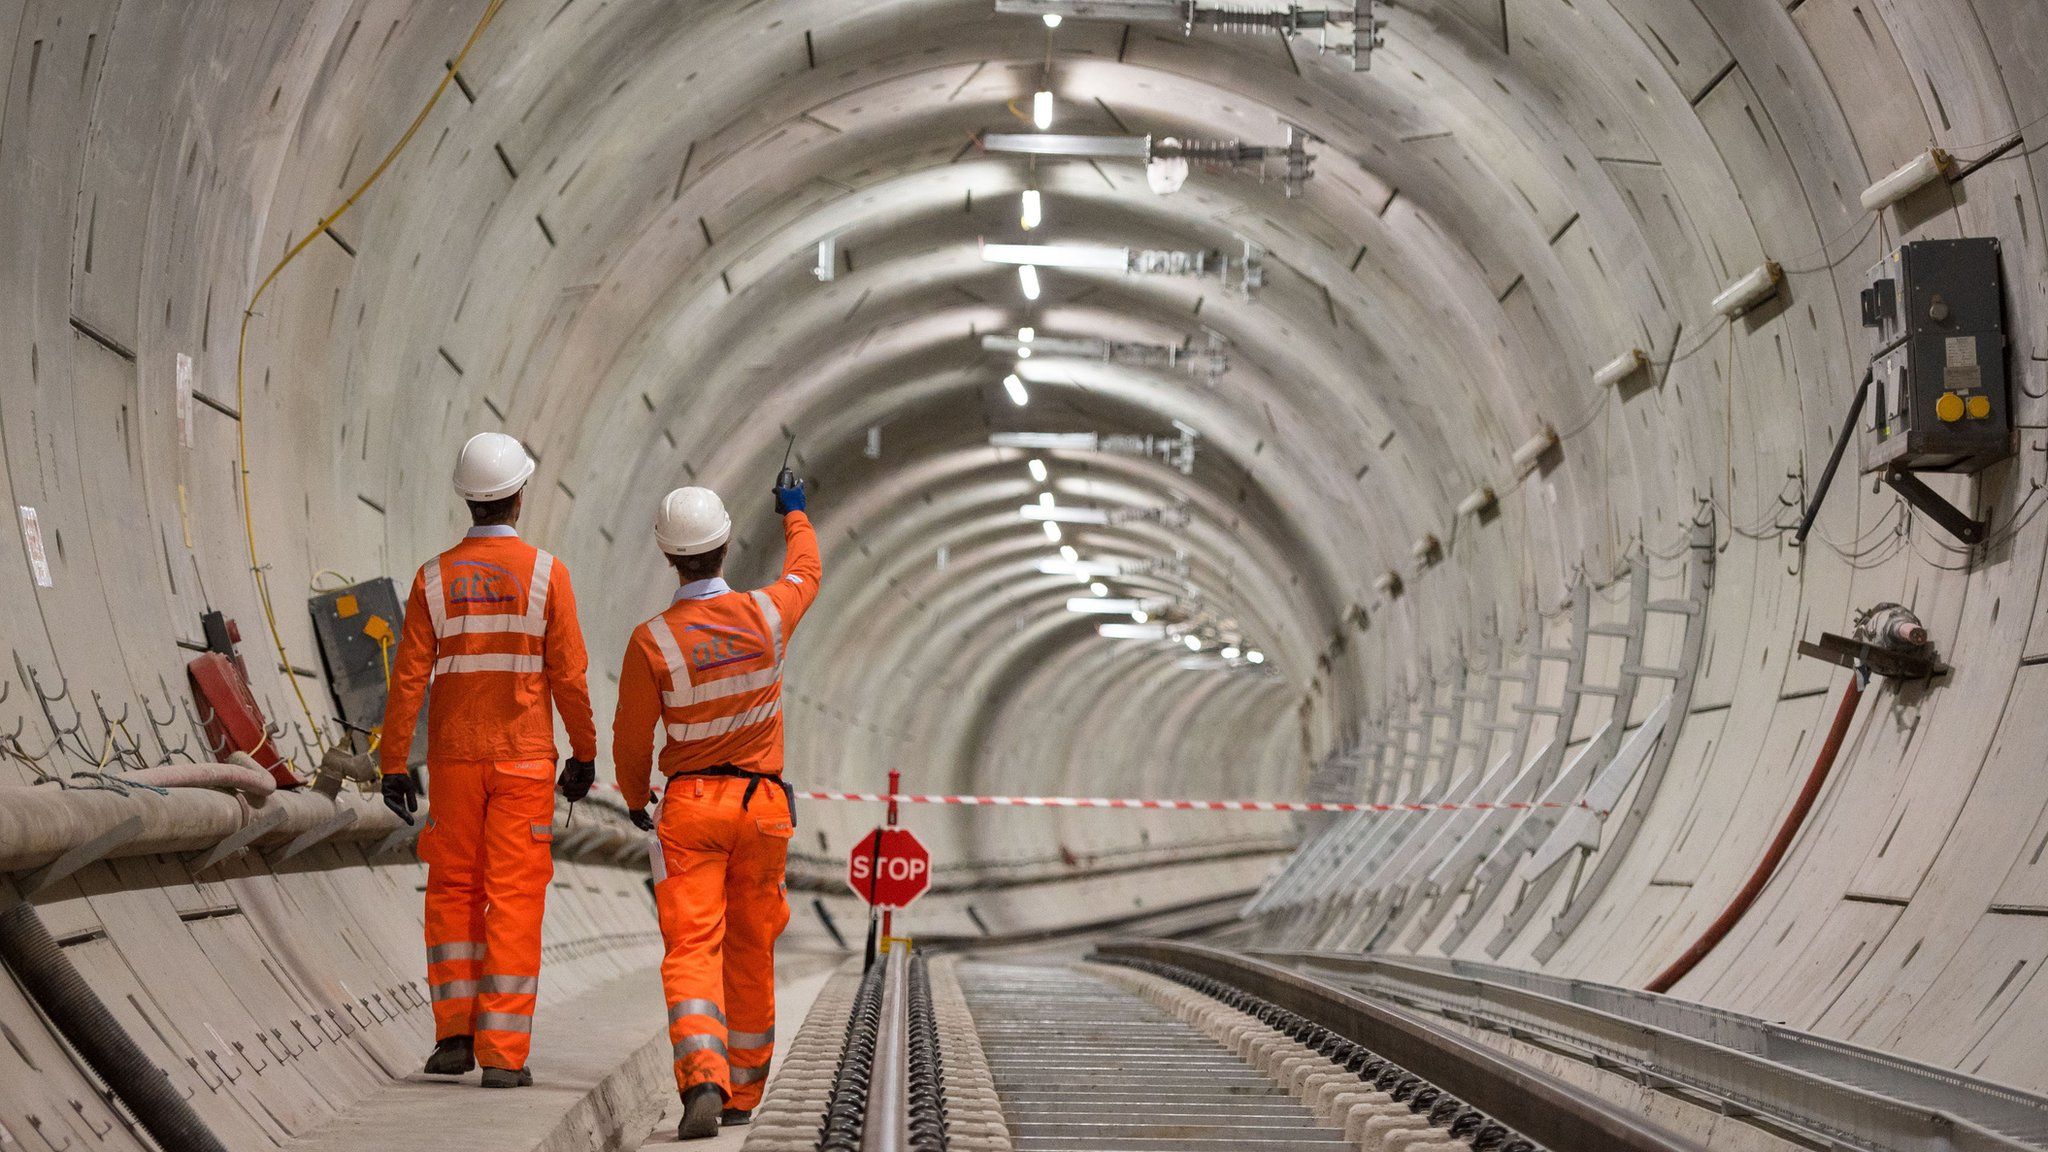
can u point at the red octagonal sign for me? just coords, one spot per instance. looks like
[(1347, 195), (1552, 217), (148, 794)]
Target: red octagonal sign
[(889, 868)]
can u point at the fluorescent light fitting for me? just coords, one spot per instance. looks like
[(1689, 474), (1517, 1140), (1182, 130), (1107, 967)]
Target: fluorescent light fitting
[(1255, 657), (1027, 279), (1033, 213), (1037, 468), (1121, 631), (1045, 441), (1089, 605), (1909, 178), (1620, 368), (1064, 514), (1045, 500), (1477, 501), (1193, 642), (1026, 335), (1068, 554), (1024, 352), (1095, 256), (1756, 286), (1052, 531), (1015, 388), (1139, 616), (1052, 19), (1533, 449), (1098, 589), (1041, 110), (1230, 652)]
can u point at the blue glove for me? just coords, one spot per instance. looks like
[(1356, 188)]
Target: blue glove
[(789, 500)]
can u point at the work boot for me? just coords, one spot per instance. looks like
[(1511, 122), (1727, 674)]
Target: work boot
[(734, 1117), (507, 1077), (452, 1057), (701, 1106)]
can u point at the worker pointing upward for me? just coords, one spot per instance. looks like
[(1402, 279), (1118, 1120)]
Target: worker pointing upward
[(492, 622), (708, 671)]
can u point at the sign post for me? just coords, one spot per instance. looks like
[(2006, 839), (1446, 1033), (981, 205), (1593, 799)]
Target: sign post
[(889, 868)]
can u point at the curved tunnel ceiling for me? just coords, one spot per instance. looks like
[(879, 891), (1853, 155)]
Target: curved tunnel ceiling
[(602, 239)]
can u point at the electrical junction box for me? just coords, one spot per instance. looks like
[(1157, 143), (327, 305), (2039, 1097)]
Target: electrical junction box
[(358, 630), (1940, 400)]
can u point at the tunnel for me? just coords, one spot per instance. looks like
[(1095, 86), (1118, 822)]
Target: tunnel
[(1435, 564)]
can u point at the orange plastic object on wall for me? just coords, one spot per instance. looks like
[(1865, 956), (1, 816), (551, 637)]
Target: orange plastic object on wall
[(233, 721)]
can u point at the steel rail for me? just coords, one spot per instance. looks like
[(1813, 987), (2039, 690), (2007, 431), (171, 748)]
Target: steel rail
[(1845, 1093), (1544, 1109), (887, 1125)]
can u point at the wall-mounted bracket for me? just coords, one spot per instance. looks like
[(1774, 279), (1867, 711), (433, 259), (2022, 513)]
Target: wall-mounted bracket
[(1858, 655), (313, 835), (89, 852), (1952, 519), (241, 838)]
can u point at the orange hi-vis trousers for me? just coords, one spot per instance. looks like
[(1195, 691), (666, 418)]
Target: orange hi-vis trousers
[(718, 887), (487, 850)]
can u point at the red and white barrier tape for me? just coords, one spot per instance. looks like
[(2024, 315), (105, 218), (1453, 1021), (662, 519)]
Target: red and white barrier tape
[(1174, 805), (1181, 805)]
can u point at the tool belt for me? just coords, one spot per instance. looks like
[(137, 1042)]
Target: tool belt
[(753, 780)]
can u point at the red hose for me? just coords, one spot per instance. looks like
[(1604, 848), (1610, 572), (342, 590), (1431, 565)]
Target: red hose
[(1787, 832)]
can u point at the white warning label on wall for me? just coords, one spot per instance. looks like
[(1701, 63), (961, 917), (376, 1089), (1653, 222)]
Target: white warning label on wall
[(184, 400), (32, 538)]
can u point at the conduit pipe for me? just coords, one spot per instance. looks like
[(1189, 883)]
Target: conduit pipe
[(252, 782), (1787, 832), (55, 986), (39, 823)]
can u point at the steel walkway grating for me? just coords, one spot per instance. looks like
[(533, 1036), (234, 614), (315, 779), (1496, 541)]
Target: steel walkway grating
[(1080, 1065)]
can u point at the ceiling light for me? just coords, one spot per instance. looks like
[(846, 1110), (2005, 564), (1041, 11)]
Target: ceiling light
[(1058, 256), (1122, 631), (1037, 468), (1047, 441), (1620, 368), (1139, 616), (1230, 652), (1065, 514), (1916, 174), (1041, 110), (1026, 335), (1098, 589), (1095, 607), (1193, 642), (1027, 277), (1015, 388), (1255, 656), (1045, 499), (1756, 286), (1052, 531), (1068, 554), (1052, 19), (1034, 210), (1024, 352)]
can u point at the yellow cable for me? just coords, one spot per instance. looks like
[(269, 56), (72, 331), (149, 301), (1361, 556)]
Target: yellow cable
[(242, 353)]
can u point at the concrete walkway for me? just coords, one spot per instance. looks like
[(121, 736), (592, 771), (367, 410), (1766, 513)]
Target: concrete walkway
[(602, 1080)]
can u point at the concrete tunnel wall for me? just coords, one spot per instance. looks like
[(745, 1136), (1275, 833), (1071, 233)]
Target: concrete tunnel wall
[(601, 240)]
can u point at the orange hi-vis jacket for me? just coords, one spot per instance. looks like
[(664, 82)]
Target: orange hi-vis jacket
[(709, 672), (492, 622)]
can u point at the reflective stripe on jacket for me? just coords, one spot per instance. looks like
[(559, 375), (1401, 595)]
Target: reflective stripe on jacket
[(708, 674), (492, 624)]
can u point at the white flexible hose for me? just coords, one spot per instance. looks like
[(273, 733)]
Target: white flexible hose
[(244, 778)]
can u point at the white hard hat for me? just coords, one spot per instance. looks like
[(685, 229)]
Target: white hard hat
[(492, 466), (691, 520)]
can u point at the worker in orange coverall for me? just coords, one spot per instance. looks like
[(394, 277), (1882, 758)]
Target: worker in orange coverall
[(708, 672), (492, 621)]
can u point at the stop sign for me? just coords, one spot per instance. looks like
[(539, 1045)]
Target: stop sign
[(889, 868)]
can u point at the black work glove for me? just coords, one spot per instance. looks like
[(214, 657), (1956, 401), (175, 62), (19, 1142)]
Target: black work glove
[(641, 819), (577, 777), (789, 499), (402, 794)]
